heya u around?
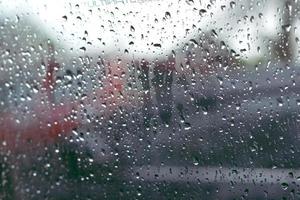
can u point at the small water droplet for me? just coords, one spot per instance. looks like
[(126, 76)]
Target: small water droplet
[(284, 186), (287, 27), (232, 4), (132, 28), (168, 15)]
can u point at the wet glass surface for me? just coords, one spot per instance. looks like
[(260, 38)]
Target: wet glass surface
[(105, 99)]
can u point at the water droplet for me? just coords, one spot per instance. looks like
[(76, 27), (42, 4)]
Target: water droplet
[(168, 15), (287, 27), (132, 28), (232, 4), (284, 186)]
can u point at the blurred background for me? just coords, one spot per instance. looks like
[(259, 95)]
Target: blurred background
[(185, 99)]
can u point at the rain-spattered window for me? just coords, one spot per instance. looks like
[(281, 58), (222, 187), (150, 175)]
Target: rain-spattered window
[(143, 99)]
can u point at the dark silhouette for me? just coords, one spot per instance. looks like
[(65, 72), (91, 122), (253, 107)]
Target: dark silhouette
[(147, 103), (162, 82)]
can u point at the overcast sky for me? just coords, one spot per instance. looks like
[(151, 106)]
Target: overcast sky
[(149, 29)]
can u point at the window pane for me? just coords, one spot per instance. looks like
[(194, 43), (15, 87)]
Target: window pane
[(107, 99)]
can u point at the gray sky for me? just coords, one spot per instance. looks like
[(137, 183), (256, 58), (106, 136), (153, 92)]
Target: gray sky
[(140, 27)]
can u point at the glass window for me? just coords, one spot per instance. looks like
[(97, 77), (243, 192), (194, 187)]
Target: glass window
[(143, 99)]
